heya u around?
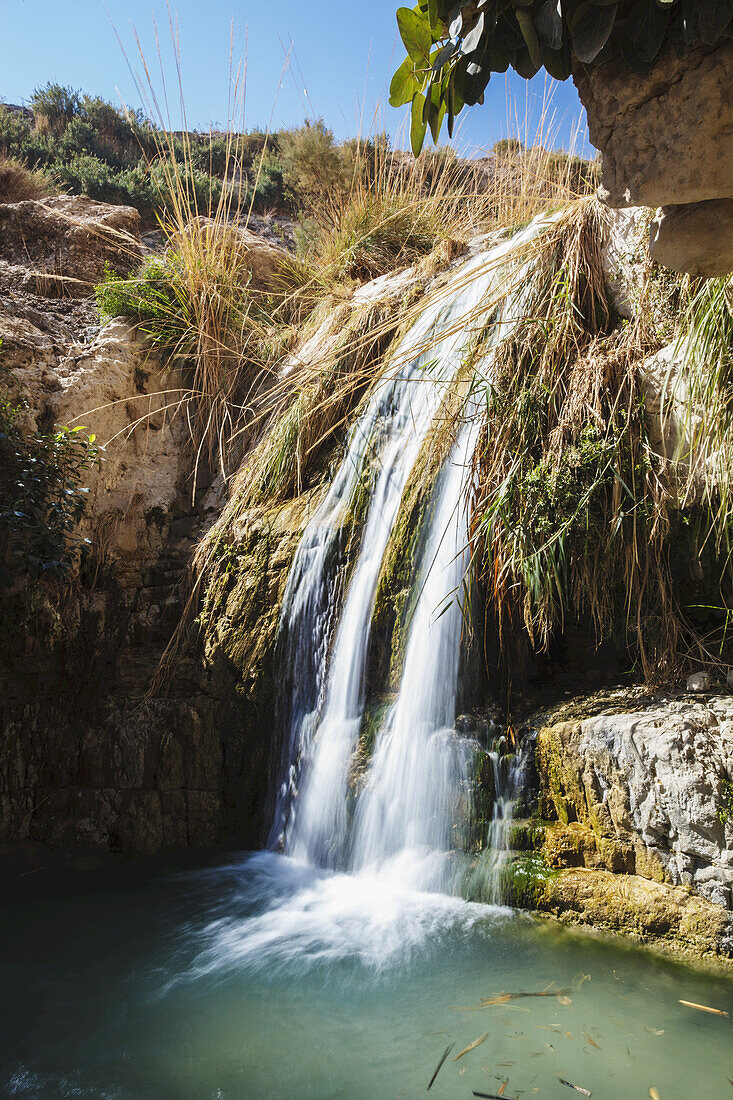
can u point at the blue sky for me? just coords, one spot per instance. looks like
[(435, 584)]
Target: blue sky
[(342, 54)]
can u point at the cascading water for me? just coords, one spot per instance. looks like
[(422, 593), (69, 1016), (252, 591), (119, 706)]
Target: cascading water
[(419, 766), (374, 879), (508, 775), (409, 789)]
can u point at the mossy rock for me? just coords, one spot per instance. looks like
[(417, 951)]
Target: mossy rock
[(669, 917), (523, 880), (526, 836)]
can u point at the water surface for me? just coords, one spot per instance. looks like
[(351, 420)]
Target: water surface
[(260, 977)]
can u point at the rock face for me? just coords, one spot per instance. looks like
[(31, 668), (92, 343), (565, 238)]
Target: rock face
[(87, 757), (697, 238), (59, 246), (666, 136), (647, 793), (667, 140)]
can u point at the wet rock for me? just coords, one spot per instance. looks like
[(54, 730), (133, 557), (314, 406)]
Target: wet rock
[(651, 786), (669, 916)]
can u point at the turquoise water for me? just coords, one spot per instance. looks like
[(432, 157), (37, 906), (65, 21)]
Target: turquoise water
[(259, 977)]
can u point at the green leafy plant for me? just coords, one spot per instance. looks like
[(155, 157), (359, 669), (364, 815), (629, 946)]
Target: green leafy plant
[(452, 49), (724, 813), (41, 497)]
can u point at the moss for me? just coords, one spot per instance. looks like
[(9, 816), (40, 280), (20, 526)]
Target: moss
[(523, 880), (669, 917), (526, 836)]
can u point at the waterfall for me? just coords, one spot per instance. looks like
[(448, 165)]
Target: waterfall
[(418, 767), (508, 774), (407, 809)]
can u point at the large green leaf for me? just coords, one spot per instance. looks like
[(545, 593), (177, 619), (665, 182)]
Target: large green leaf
[(417, 125), (415, 33), (524, 64), (645, 28), (548, 21), (714, 16), (472, 40), (404, 84), (590, 29), (471, 80), (529, 34), (556, 63)]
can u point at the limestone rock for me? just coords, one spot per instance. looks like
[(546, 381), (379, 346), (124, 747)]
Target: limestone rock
[(699, 681), (666, 136), (265, 260), (624, 257), (59, 246), (670, 916), (654, 782), (695, 237)]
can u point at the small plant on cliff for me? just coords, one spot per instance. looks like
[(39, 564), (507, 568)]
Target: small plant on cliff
[(724, 813), (41, 497), (453, 48)]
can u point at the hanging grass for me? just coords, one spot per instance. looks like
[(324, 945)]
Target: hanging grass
[(574, 516)]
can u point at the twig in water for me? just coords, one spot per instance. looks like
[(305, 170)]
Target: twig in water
[(491, 1096), (472, 1046), (586, 1092), (704, 1008), (439, 1066)]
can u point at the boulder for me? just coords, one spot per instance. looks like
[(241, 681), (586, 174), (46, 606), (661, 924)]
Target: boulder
[(671, 917), (655, 783), (266, 261), (666, 136), (59, 247), (696, 237)]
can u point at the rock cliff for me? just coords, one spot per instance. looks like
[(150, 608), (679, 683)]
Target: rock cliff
[(87, 755)]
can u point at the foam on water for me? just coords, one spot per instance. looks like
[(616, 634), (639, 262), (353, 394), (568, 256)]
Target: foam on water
[(306, 917)]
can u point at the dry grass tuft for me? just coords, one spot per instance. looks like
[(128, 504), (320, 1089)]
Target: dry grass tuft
[(19, 183)]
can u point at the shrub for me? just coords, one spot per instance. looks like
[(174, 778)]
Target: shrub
[(267, 183), (41, 497), (54, 107), (313, 168), (18, 183), (15, 129), (86, 174)]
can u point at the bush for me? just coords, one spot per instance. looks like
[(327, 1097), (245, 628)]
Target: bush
[(18, 183), (15, 130), (54, 107), (41, 498), (86, 174), (312, 167), (267, 178)]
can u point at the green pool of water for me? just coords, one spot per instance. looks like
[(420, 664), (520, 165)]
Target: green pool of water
[(262, 978)]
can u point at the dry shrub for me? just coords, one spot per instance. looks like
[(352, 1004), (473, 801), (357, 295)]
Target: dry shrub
[(19, 183)]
